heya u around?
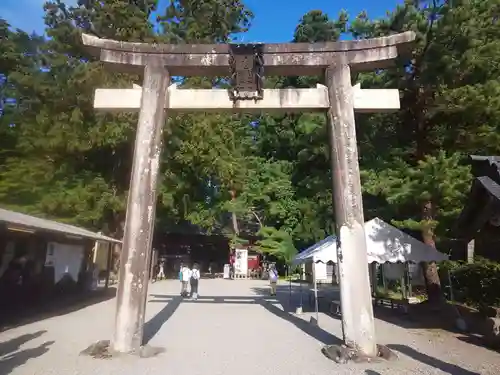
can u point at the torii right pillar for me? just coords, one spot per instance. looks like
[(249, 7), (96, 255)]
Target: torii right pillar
[(355, 292)]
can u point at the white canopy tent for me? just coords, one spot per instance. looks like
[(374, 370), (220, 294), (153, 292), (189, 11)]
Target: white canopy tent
[(385, 244), (320, 252)]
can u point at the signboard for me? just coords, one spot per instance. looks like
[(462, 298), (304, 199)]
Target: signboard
[(241, 262), (227, 271), (247, 69)]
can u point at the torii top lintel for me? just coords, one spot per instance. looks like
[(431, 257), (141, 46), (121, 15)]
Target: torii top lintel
[(279, 58)]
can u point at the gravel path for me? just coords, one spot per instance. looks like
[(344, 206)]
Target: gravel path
[(230, 330)]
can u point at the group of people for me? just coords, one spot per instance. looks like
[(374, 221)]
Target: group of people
[(190, 279)]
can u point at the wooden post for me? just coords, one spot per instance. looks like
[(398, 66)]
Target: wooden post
[(470, 251), (109, 259), (139, 222), (374, 281), (357, 310), (154, 261)]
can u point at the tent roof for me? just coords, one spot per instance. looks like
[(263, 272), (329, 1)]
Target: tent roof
[(385, 243), (324, 251), (35, 223)]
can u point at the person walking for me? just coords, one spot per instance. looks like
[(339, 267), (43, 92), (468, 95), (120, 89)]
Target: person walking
[(154, 275), (185, 277), (273, 278), (161, 271), (195, 280), (181, 266)]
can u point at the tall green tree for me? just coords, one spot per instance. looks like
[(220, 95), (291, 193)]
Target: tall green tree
[(300, 140), (71, 162), (204, 21), (451, 69)]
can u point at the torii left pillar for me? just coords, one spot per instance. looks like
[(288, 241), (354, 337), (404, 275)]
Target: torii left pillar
[(141, 208)]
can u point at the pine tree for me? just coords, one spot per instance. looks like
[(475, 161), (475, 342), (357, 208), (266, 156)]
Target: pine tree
[(453, 63), (72, 163)]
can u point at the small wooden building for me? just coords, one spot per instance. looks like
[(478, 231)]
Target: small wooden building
[(477, 230), (39, 258)]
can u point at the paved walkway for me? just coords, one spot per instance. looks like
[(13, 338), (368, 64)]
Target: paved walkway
[(231, 330)]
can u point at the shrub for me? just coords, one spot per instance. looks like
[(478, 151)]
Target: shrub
[(477, 284)]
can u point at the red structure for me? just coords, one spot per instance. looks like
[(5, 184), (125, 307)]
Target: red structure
[(253, 260)]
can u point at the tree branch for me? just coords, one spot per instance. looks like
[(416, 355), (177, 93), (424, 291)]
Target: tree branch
[(257, 218)]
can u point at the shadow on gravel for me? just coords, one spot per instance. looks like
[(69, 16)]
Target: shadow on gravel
[(11, 357), (431, 361), (262, 298), (312, 330), (480, 341), (153, 326), (289, 300), (418, 317), (51, 307)]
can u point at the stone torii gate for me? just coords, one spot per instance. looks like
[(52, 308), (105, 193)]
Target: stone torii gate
[(245, 64)]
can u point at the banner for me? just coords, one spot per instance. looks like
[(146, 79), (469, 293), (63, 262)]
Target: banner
[(241, 262)]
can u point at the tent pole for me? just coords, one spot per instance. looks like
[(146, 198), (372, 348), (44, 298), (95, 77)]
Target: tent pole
[(403, 282), (300, 284), (373, 273), (384, 281), (315, 293), (408, 274)]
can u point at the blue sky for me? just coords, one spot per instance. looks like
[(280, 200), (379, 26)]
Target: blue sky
[(275, 20)]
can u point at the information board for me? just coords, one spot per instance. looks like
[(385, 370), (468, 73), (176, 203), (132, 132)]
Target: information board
[(241, 262)]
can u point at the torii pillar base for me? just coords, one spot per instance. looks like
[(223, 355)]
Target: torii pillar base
[(342, 354)]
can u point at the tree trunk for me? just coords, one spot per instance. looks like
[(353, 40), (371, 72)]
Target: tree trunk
[(234, 218), (431, 275), (117, 228), (236, 231)]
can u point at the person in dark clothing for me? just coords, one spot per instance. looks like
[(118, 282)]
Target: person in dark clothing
[(154, 276)]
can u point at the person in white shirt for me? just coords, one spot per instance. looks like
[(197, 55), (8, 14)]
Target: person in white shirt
[(161, 272), (195, 279), (273, 278), (186, 277)]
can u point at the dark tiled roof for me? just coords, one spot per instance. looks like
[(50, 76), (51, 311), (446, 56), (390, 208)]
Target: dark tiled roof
[(492, 187), (486, 166)]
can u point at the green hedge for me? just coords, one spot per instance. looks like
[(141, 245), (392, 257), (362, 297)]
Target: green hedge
[(476, 284)]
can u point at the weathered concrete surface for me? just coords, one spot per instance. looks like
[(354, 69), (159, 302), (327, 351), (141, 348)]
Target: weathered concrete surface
[(136, 252), (289, 100), (226, 339), (279, 59), (356, 300)]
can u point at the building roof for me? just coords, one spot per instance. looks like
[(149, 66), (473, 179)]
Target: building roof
[(483, 202), (485, 166), (44, 225)]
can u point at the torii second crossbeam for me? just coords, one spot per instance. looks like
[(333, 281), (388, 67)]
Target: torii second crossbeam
[(289, 100)]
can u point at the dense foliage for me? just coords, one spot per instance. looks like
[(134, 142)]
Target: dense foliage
[(242, 176), (476, 284)]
